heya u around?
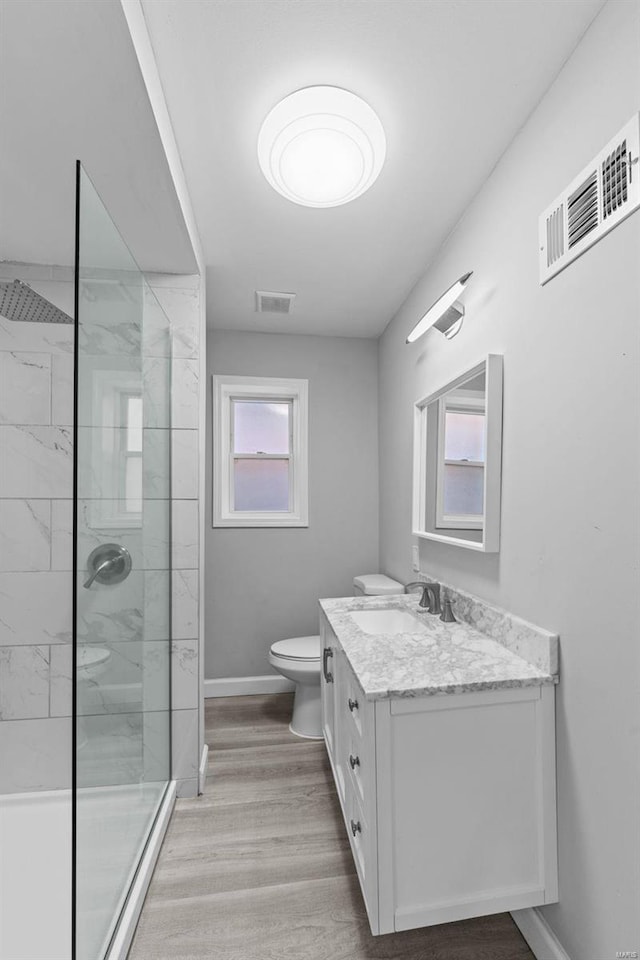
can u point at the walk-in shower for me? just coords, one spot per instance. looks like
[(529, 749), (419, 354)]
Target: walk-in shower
[(85, 600)]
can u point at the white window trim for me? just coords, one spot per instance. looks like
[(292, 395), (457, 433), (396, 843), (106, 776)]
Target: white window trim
[(228, 388)]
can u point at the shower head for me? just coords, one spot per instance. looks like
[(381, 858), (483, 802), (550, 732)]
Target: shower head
[(20, 302)]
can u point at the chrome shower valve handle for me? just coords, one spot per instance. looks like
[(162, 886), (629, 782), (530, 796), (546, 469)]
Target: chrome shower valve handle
[(109, 563)]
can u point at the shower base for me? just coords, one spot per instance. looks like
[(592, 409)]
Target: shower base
[(35, 876), (35, 868)]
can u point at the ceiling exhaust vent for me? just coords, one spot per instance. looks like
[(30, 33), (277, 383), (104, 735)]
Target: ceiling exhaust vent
[(595, 202), (269, 302)]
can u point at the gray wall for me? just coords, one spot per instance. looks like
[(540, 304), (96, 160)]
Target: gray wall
[(570, 549), (263, 585)]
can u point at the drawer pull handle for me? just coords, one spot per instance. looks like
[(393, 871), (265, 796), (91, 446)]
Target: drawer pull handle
[(355, 827), (353, 704), (328, 676), (354, 761)]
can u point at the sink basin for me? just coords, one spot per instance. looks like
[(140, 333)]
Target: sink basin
[(387, 621)]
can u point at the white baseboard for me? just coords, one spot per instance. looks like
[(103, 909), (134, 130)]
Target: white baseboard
[(542, 941), (123, 936), (202, 769), (247, 686)]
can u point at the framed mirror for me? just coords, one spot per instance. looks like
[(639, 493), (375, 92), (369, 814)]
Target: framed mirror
[(457, 460)]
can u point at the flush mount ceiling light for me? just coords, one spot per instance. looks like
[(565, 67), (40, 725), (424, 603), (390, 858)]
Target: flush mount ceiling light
[(321, 147), (446, 314)]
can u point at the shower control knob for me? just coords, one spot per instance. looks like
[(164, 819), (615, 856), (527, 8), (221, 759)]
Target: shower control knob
[(355, 827), (354, 761), (109, 563), (353, 704)]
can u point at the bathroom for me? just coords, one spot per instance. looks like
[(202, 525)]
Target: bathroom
[(154, 800)]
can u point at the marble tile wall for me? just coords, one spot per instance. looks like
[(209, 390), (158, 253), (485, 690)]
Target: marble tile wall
[(36, 511), (36, 478), (180, 299)]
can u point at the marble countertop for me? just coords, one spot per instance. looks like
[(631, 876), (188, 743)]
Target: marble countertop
[(447, 658)]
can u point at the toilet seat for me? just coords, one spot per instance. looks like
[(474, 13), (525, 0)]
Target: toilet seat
[(297, 648)]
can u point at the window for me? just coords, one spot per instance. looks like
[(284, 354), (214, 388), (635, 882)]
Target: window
[(259, 452), (130, 471), (461, 457), (116, 477)]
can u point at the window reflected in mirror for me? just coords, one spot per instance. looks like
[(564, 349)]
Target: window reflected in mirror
[(457, 460), (461, 457)]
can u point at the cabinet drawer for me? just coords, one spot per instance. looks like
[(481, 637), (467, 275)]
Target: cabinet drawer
[(363, 849), (359, 762), (357, 708)]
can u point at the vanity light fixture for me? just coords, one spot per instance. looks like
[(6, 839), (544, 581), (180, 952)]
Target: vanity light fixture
[(446, 314), (321, 146)]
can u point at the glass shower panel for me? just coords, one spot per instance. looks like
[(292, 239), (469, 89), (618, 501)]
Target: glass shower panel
[(122, 570)]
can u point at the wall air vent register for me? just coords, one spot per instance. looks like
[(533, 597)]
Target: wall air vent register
[(595, 202)]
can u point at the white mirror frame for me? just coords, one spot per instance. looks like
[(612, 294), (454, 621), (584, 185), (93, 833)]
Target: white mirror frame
[(490, 541)]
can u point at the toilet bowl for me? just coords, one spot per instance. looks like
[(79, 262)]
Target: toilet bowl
[(298, 659)]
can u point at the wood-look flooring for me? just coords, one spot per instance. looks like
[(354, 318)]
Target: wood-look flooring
[(259, 868)]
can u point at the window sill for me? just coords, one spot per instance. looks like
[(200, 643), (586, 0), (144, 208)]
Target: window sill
[(253, 520)]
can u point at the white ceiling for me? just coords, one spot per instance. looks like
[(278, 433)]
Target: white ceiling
[(452, 82), (71, 88)]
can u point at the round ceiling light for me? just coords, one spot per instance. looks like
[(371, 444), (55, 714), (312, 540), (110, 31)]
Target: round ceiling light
[(321, 146)]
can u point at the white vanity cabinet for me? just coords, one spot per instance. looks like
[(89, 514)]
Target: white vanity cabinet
[(448, 800)]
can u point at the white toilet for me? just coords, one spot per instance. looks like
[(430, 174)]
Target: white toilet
[(298, 659)]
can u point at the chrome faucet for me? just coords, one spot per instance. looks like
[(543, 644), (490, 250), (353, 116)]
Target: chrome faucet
[(424, 599), (430, 599), (434, 598)]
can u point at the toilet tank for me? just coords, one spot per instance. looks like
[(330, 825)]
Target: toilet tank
[(376, 585)]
